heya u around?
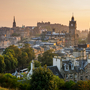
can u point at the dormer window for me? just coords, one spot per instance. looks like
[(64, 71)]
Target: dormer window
[(66, 67), (72, 67)]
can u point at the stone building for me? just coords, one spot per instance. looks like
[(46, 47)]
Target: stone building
[(71, 38), (72, 68)]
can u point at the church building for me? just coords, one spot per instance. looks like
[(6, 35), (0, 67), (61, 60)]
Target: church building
[(71, 38), (14, 23)]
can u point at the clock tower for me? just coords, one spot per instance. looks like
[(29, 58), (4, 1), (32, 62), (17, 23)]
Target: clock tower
[(72, 26), (71, 38)]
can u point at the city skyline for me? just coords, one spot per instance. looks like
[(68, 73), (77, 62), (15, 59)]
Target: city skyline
[(29, 12)]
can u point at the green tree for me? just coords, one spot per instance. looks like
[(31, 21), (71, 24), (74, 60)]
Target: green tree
[(24, 58), (42, 79), (17, 51), (10, 61), (69, 85), (26, 48), (59, 82), (9, 50), (36, 63), (2, 64), (47, 58)]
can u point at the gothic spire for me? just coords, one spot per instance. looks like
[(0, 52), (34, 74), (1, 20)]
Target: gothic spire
[(14, 23)]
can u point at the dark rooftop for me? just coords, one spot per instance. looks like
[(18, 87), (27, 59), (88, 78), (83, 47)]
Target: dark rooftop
[(55, 71)]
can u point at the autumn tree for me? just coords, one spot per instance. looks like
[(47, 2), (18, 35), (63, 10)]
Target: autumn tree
[(82, 85)]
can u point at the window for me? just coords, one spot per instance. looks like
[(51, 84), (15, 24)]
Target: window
[(66, 67), (71, 75), (86, 70), (75, 75), (66, 76), (75, 81), (72, 67), (81, 78), (86, 77), (81, 72)]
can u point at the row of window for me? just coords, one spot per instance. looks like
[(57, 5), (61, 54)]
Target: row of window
[(75, 76)]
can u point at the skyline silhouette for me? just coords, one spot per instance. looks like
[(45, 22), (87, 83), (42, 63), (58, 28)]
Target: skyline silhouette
[(29, 12)]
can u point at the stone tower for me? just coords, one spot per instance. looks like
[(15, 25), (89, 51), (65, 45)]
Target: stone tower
[(14, 23), (72, 26), (71, 39)]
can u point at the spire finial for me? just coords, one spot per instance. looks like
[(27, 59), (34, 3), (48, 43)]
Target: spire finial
[(72, 14), (72, 19), (14, 18)]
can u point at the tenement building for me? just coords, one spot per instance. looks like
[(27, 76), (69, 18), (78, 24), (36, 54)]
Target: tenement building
[(74, 67), (71, 38)]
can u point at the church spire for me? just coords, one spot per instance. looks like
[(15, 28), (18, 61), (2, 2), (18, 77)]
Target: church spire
[(14, 23), (14, 19), (72, 19)]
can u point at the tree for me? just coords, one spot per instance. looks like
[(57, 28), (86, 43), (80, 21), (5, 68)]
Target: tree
[(16, 50), (9, 50), (26, 48), (69, 85), (59, 82), (47, 58), (10, 61), (36, 63), (82, 85), (24, 58), (42, 79), (2, 64)]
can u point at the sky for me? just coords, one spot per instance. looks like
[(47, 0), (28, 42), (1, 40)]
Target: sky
[(29, 12)]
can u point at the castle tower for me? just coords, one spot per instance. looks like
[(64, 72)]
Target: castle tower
[(14, 23), (72, 26)]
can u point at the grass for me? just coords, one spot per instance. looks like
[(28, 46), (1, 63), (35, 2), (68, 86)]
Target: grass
[(6, 89), (3, 88)]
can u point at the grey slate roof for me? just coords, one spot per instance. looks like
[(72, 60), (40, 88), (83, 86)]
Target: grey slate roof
[(55, 71)]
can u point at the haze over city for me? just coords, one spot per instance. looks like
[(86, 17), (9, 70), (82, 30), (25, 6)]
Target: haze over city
[(29, 12)]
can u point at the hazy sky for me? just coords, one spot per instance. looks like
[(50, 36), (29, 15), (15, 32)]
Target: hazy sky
[(29, 12)]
